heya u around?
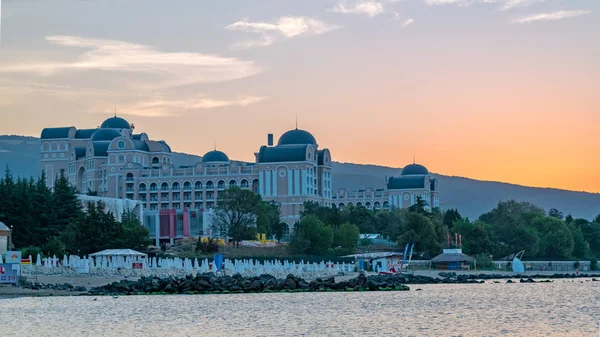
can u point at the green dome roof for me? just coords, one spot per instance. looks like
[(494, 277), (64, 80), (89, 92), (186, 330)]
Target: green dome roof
[(414, 169), (115, 123), (105, 135), (214, 156), (297, 137)]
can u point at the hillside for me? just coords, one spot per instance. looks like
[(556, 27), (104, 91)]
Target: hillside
[(471, 197)]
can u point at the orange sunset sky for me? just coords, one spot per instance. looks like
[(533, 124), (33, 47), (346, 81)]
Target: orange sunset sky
[(502, 90)]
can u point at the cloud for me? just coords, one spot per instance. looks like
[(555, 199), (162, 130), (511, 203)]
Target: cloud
[(510, 4), (286, 27), (167, 68), (407, 22), (369, 8), (158, 106), (559, 15)]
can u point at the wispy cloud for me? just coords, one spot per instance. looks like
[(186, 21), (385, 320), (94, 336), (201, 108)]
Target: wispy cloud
[(408, 22), (158, 106), (559, 15), (286, 27), (367, 7), (370, 8), (506, 4), (168, 68), (510, 4)]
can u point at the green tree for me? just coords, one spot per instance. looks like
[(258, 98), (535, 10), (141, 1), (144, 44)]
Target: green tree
[(420, 230), (554, 213), (311, 237), (269, 217), (236, 213), (476, 237), (66, 208), (556, 239), (419, 206), (580, 246), (360, 216), (54, 246), (328, 215), (133, 233), (450, 217), (346, 237)]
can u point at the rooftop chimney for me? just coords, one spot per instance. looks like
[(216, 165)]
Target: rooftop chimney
[(270, 139)]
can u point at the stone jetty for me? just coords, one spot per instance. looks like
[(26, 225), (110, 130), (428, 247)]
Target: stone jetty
[(210, 284)]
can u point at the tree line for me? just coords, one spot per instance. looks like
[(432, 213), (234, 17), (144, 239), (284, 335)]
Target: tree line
[(53, 222), (507, 229)]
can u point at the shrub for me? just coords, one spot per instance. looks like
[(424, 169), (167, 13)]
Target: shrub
[(208, 246), (54, 246), (33, 251), (484, 261), (365, 242), (594, 264), (576, 265)]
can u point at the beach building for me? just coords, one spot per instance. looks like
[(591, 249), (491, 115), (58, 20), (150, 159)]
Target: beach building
[(453, 259), (114, 162), (4, 238)]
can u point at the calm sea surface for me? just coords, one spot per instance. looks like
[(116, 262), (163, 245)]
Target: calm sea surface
[(562, 308)]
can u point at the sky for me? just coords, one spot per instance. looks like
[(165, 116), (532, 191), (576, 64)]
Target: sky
[(500, 90)]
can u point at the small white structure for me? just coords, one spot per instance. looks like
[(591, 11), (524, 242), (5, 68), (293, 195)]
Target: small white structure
[(119, 252), (4, 238)]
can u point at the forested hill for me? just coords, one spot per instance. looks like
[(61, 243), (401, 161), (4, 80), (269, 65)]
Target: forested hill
[(471, 197)]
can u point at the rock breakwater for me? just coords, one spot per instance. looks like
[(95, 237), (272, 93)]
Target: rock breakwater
[(211, 284)]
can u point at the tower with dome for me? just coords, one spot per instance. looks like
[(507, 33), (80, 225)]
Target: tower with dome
[(112, 163)]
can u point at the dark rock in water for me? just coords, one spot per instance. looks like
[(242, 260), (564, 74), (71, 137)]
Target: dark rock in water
[(529, 280), (290, 283), (256, 285), (509, 281)]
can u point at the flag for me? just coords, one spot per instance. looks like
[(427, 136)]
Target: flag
[(404, 255)]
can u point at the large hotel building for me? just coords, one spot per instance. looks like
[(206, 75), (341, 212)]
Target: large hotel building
[(114, 162)]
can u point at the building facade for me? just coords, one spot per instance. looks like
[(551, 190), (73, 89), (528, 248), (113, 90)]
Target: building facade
[(112, 161)]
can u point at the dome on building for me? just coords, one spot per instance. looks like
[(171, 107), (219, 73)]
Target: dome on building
[(414, 169), (105, 135), (297, 137), (115, 123), (215, 156)]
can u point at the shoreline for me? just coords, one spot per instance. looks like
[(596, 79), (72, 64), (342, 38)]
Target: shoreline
[(415, 278)]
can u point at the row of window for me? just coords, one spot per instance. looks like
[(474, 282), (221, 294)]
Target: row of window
[(187, 186), (376, 205)]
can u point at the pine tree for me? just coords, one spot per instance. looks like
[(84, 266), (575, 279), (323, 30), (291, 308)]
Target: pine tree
[(66, 208)]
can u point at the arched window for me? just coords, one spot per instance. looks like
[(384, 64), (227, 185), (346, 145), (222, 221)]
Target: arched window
[(129, 177), (164, 187), (142, 188), (368, 205), (342, 205), (175, 186), (358, 204), (386, 204), (209, 185), (153, 187), (232, 183), (187, 186), (377, 205), (350, 204), (198, 186), (244, 183), (221, 185), (155, 160)]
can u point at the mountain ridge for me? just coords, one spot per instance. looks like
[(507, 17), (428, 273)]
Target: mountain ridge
[(470, 196)]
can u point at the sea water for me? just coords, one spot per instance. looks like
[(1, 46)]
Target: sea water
[(561, 308)]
